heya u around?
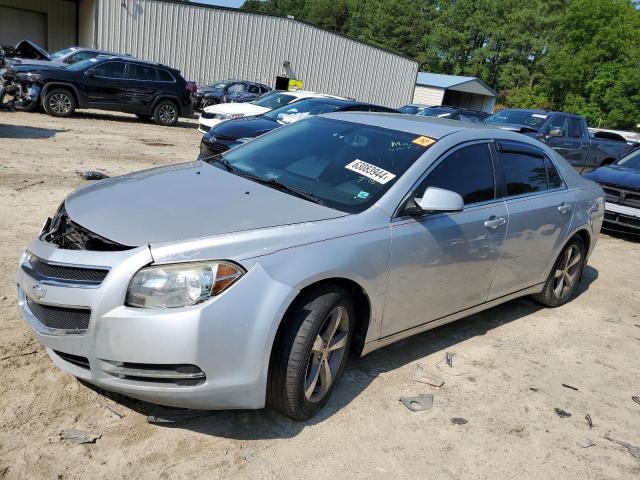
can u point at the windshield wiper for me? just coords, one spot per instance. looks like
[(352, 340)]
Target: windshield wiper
[(222, 161), (278, 185), (272, 182)]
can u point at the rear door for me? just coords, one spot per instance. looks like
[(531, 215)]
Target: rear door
[(540, 210), (142, 87)]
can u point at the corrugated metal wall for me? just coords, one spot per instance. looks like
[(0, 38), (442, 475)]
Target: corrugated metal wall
[(209, 44), (428, 95), (61, 20)]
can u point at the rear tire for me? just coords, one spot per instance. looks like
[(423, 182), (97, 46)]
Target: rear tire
[(166, 113), (59, 102), (310, 352), (564, 276)]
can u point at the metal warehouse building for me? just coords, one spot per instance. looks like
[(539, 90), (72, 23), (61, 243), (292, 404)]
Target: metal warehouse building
[(211, 43), (453, 90)]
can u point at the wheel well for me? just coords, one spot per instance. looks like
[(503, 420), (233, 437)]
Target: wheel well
[(585, 237), (173, 100), (361, 305), (55, 86)]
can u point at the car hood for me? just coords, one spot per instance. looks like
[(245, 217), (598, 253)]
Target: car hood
[(616, 175), (28, 49), (244, 127), (236, 109), (185, 201)]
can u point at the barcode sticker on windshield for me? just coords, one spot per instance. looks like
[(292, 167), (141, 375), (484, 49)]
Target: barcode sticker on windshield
[(539, 115), (376, 174)]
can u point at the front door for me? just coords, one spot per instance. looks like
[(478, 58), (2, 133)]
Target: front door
[(444, 263), (104, 83), (540, 210)]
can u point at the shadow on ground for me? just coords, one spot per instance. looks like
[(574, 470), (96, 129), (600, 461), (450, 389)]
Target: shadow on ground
[(127, 118), (360, 372), (21, 132)]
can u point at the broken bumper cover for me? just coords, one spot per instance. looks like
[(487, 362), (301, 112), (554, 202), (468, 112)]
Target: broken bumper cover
[(214, 355)]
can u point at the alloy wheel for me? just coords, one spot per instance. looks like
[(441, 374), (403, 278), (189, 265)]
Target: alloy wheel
[(327, 353), (167, 113), (60, 103), (567, 271)]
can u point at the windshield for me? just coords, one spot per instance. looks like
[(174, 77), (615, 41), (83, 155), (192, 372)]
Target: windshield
[(343, 165), (301, 109), (274, 101), (61, 53), (518, 117), (89, 62), (410, 109), (437, 112), (631, 161), (219, 85)]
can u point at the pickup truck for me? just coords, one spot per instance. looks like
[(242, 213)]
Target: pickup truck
[(567, 134)]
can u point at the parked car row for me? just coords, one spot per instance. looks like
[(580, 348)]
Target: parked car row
[(227, 91)]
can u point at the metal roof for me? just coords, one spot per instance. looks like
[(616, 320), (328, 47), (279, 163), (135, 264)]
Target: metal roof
[(454, 82)]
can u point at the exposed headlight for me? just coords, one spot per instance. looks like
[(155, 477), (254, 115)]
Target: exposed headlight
[(28, 77), (180, 284), (244, 139)]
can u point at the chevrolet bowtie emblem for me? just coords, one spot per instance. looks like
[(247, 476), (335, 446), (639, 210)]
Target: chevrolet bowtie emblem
[(39, 291)]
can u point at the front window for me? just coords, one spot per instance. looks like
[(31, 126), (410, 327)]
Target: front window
[(61, 53), (274, 101), (219, 85), (83, 65), (343, 165), (631, 161), (518, 117)]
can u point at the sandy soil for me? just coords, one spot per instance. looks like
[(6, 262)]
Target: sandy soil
[(509, 365)]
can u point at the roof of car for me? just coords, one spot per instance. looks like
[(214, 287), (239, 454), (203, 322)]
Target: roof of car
[(420, 125), (132, 59)]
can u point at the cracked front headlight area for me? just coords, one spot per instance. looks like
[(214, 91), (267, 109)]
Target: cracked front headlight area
[(181, 284)]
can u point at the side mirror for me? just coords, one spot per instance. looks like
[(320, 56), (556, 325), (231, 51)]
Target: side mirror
[(89, 74), (440, 200), (556, 132)]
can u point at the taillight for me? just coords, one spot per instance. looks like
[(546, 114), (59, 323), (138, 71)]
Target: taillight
[(191, 87)]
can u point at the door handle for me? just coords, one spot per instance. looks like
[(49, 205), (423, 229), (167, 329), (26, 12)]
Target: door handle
[(565, 208), (495, 222)]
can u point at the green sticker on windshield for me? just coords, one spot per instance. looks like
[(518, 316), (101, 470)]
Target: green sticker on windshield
[(363, 195)]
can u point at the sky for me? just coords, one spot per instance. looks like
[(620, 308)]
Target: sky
[(224, 3)]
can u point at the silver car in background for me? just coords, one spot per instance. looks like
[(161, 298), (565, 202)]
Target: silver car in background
[(247, 278)]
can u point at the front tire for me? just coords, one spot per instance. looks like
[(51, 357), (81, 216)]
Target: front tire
[(208, 102), (59, 103), (310, 352), (166, 113), (565, 275)]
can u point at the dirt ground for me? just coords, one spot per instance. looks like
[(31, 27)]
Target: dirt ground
[(510, 364)]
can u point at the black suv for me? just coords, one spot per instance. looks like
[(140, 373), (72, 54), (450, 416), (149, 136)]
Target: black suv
[(115, 83)]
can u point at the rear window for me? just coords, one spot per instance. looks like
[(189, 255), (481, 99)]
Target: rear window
[(165, 76), (523, 173), (141, 72)]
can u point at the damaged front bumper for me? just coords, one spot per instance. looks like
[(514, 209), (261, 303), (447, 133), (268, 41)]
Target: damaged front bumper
[(213, 355)]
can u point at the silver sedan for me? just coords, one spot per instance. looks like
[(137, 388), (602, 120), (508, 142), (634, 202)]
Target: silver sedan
[(247, 278)]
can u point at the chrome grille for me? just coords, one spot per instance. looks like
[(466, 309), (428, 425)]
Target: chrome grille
[(53, 273), (213, 148), (68, 320)]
